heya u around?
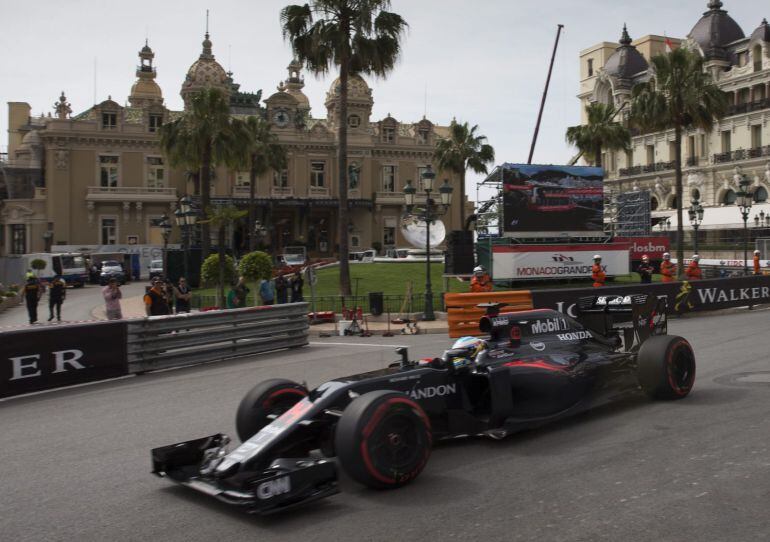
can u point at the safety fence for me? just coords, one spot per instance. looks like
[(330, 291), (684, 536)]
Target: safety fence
[(463, 313), (39, 358)]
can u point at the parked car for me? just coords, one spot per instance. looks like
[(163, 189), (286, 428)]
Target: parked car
[(156, 268), (112, 269)]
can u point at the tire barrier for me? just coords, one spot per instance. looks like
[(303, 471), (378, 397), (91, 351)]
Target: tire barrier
[(463, 314), (44, 357)]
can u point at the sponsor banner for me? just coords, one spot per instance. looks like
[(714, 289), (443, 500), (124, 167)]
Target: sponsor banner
[(39, 358), (551, 201), (556, 261), (654, 247), (683, 297)]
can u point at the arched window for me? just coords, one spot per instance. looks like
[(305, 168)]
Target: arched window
[(729, 198), (673, 203), (653, 203), (756, 55), (760, 194)]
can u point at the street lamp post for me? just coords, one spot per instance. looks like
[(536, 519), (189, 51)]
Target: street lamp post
[(185, 219), (430, 214), (165, 227), (696, 218), (743, 199)]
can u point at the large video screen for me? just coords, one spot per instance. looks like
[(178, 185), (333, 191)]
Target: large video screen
[(552, 201)]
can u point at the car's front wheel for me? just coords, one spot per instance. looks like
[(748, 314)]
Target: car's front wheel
[(265, 402), (666, 367), (383, 439)]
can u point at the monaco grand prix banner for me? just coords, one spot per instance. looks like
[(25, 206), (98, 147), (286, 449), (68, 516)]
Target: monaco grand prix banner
[(683, 297), (42, 357), (551, 201), (516, 262)]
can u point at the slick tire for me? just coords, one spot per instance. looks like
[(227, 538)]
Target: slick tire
[(383, 439), (271, 397), (666, 367)]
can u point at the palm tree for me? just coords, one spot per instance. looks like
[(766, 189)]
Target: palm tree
[(265, 154), (202, 138), (680, 96), (463, 149), (600, 133), (358, 36), (219, 217)]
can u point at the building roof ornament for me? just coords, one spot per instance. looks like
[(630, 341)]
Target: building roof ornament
[(205, 72), (626, 62), (762, 33), (714, 31), (145, 91), (62, 107)]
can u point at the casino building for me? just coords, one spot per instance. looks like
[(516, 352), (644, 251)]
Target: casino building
[(714, 163), (99, 177)]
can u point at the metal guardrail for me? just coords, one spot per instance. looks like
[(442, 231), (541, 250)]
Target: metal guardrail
[(172, 341), (391, 302)]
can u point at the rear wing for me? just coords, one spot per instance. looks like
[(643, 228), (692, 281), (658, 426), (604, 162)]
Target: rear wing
[(638, 316)]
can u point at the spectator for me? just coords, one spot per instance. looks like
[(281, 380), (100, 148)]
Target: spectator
[(281, 289), (667, 269), (481, 281), (112, 296), (155, 303), (33, 291), (296, 288), (56, 294), (597, 272), (183, 294), (693, 271), (266, 292), (645, 270), (756, 263), (168, 292), (236, 298)]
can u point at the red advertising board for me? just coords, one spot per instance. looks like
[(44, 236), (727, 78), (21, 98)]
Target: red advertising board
[(654, 247)]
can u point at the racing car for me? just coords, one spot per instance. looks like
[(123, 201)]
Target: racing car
[(534, 367)]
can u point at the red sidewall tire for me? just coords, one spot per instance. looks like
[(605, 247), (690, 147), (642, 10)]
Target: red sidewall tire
[(383, 439), (273, 396), (666, 367)]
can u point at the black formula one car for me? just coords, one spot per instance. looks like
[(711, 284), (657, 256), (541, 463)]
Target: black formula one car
[(535, 367)]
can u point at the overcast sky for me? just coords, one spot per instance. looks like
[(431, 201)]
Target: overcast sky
[(482, 61)]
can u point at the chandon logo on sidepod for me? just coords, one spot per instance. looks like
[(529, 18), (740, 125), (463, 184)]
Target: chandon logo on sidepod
[(271, 488), (433, 391)]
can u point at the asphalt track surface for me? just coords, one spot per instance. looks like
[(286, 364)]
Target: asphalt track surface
[(75, 463)]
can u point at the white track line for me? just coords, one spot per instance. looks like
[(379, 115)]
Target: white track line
[(360, 344)]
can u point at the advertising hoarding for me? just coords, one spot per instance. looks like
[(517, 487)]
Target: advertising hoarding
[(654, 247), (556, 261), (552, 201)]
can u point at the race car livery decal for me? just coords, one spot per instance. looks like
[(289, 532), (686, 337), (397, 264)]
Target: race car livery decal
[(574, 336), (538, 346), (548, 326), (271, 488), (433, 391)]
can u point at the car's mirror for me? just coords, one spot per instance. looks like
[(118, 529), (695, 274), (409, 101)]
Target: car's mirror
[(403, 351)]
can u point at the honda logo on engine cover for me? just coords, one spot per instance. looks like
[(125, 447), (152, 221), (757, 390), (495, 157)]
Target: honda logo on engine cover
[(271, 488)]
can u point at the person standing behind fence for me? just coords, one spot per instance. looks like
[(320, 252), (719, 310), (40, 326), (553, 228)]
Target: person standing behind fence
[(756, 263), (597, 272), (266, 292), (183, 295), (667, 269), (155, 300), (33, 291), (296, 288), (281, 289), (56, 293), (112, 296), (693, 271), (645, 270)]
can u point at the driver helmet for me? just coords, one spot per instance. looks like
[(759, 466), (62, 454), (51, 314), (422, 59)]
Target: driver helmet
[(472, 347), (666, 256), (645, 258), (478, 270), (695, 257)]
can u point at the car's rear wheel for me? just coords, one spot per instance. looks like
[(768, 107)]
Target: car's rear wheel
[(383, 439), (265, 402), (666, 367)]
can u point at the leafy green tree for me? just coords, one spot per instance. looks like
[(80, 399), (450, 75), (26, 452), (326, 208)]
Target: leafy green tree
[(264, 154), (357, 36), (256, 266), (220, 217), (680, 96), (211, 273), (600, 133), (463, 149), (38, 265), (202, 138)]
